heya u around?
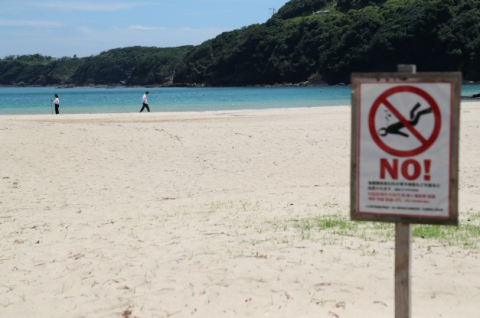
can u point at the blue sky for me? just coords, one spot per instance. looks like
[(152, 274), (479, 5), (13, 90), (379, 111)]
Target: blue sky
[(67, 27)]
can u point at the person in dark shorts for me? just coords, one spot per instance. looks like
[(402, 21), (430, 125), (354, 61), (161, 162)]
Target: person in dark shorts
[(145, 102), (57, 104)]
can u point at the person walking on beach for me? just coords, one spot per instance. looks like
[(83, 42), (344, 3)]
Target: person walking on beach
[(145, 102), (57, 104)]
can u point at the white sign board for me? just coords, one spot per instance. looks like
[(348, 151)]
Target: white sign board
[(406, 147)]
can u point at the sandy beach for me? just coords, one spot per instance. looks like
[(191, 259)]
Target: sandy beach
[(210, 214)]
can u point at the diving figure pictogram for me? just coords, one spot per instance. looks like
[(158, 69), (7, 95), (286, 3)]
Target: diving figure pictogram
[(394, 129)]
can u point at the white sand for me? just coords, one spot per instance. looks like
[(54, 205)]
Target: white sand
[(192, 215)]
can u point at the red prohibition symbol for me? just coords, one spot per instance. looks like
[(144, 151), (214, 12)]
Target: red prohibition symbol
[(425, 143)]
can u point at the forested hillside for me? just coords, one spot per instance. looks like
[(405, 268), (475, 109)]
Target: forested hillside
[(131, 66), (356, 36), (126, 66), (293, 45), (36, 70)]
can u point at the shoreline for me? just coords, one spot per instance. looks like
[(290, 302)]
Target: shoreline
[(169, 84), (166, 113), (192, 85), (464, 103)]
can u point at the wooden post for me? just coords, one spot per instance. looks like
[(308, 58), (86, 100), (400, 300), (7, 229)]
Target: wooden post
[(403, 255), (403, 252)]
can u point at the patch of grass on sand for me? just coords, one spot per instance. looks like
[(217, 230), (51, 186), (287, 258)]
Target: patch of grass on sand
[(264, 217), (338, 224), (466, 235)]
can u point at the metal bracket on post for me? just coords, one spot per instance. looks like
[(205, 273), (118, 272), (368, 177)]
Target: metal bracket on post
[(407, 68), (403, 250)]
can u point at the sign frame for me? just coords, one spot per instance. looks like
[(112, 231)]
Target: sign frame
[(455, 78)]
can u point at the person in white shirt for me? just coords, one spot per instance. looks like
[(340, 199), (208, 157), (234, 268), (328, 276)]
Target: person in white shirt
[(145, 102), (57, 104)]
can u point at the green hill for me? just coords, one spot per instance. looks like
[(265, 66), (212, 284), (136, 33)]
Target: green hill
[(356, 36), (295, 44), (131, 66), (36, 70)]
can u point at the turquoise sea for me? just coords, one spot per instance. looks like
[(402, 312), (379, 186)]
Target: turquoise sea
[(81, 100)]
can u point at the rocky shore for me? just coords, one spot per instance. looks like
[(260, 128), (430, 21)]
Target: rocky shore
[(170, 84)]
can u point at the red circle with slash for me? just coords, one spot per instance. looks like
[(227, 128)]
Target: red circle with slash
[(425, 143)]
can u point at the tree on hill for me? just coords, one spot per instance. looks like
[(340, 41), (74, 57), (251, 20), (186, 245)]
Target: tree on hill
[(300, 8), (346, 5)]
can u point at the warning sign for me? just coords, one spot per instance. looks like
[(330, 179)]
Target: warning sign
[(405, 147)]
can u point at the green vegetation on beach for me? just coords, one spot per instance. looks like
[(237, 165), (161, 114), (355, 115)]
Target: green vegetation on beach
[(292, 46), (466, 235)]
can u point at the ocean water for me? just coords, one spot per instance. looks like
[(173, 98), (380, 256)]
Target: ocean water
[(81, 100)]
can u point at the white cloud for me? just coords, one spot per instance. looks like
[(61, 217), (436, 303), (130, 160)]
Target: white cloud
[(85, 41), (140, 27), (89, 41), (213, 12), (29, 23), (89, 6)]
